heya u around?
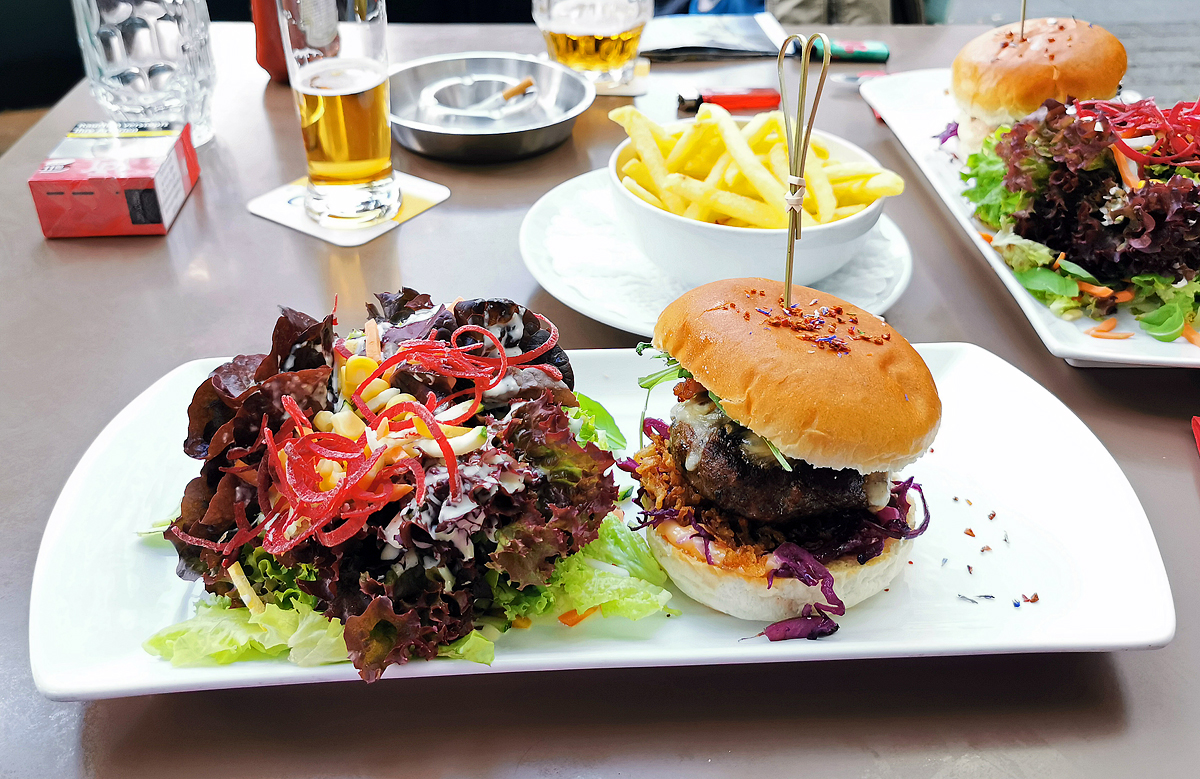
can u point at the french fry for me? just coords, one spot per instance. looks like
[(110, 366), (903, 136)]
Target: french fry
[(641, 136), (867, 191), (841, 212), (766, 184), (818, 189), (687, 144), (641, 192), (705, 156), (697, 210), (841, 171), (637, 170), (713, 170), (778, 159), (747, 209), (625, 115)]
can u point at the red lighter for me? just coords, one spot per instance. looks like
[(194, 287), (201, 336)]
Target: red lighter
[(730, 98)]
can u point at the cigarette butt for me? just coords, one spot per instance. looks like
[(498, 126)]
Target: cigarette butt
[(519, 89)]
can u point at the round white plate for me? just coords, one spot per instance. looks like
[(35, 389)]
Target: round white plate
[(575, 248)]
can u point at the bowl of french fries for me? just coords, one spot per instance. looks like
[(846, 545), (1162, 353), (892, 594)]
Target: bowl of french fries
[(704, 198)]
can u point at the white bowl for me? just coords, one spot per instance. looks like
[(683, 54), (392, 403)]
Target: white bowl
[(697, 252)]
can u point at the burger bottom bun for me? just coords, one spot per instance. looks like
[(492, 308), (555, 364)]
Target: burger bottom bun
[(747, 597)]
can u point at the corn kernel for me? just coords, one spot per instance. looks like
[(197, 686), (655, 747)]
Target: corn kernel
[(347, 423), (377, 402), (403, 397), (374, 388), (323, 421), (331, 473), (358, 368)]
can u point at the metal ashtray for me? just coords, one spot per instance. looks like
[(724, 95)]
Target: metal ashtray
[(435, 105)]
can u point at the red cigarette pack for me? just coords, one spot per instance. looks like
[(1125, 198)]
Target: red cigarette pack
[(115, 178)]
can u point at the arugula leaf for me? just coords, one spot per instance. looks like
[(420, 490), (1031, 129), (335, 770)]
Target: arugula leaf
[(1165, 323), (1046, 280), (779, 456), (603, 422), (1077, 271)]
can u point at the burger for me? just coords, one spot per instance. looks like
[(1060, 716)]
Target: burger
[(999, 77), (772, 492)]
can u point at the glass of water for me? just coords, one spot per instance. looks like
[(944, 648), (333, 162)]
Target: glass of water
[(149, 60)]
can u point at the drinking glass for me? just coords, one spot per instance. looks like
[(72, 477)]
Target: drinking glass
[(337, 63), (598, 38), (149, 60)]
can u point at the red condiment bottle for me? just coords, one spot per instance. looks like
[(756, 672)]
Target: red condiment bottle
[(267, 41)]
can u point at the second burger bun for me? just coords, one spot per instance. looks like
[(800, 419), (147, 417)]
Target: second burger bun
[(872, 408), (998, 78), (742, 592)]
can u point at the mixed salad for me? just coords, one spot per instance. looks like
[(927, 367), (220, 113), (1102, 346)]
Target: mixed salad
[(1097, 208), (412, 490)]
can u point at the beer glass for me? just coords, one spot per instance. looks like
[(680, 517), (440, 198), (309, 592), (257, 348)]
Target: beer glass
[(337, 63), (598, 38)]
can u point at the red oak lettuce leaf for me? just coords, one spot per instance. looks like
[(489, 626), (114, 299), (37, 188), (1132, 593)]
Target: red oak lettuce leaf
[(298, 343), (577, 492), (309, 388), (379, 637), (217, 400)]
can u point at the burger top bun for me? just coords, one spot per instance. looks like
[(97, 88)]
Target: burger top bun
[(998, 78), (864, 400)]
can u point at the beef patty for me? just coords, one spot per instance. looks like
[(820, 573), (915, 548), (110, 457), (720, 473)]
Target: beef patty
[(724, 472)]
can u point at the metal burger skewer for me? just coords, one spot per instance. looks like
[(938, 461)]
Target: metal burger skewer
[(797, 143)]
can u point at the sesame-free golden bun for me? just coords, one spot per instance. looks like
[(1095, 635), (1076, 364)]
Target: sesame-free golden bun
[(998, 78), (872, 407)]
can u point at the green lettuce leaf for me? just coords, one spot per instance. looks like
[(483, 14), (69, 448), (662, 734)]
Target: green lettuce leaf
[(473, 646), (604, 430), (587, 582), (317, 639), (615, 572), (1021, 254), (994, 203), (218, 635), (620, 546), (530, 601), (276, 583)]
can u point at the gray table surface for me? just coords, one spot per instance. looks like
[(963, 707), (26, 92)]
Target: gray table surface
[(87, 324)]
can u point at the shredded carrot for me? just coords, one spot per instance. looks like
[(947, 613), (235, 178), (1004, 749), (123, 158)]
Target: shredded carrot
[(987, 238), (573, 617), (1105, 330), (522, 623), (373, 349), (1094, 291), (1190, 333), (1124, 296), (1061, 256)]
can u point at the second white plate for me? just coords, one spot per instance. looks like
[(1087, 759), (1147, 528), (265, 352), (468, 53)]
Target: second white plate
[(917, 106), (575, 247)]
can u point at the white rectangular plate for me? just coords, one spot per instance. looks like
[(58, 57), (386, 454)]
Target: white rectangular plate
[(917, 106), (99, 591)]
